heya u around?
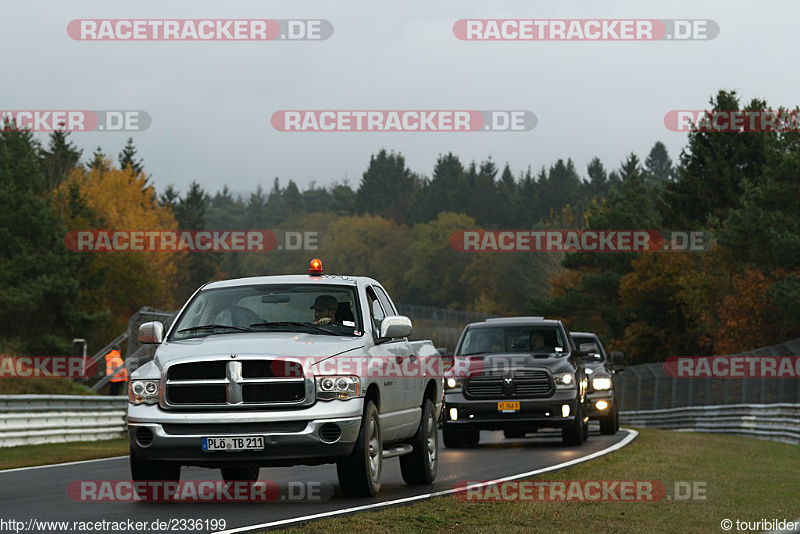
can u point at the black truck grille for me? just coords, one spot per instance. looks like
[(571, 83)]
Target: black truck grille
[(524, 383), (232, 382)]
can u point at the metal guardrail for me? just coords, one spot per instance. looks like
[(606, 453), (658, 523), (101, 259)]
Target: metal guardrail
[(36, 419), (776, 422), (647, 386)]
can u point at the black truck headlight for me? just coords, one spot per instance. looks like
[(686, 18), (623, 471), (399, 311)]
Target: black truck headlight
[(338, 387), (453, 384), (601, 383), (564, 380)]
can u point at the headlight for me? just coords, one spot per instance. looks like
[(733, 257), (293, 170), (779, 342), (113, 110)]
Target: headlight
[(565, 380), (601, 383), (143, 392), (453, 384), (338, 387)]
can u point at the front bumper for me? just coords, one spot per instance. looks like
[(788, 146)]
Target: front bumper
[(533, 413), (595, 396), (291, 437)]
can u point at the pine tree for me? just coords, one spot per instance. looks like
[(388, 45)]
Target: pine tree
[(59, 159), (127, 158)]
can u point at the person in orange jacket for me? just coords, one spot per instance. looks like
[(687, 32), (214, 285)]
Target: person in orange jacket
[(120, 378)]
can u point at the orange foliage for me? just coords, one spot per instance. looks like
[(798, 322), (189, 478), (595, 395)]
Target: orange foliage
[(121, 282), (744, 317)]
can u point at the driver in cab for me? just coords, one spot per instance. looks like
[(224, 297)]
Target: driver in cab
[(324, 309)]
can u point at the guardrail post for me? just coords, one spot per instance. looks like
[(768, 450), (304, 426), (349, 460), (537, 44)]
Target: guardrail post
[(725, 388), (674, 392), (655, 389), (635, 372)]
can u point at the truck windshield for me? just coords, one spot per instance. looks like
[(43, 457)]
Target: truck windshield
[(511, 339), (309, 308), (595, 356)]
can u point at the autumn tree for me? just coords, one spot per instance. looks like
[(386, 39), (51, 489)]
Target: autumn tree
[(119, 282)]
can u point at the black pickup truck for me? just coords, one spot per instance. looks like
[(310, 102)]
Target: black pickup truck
[(601, 369), (515, 374)]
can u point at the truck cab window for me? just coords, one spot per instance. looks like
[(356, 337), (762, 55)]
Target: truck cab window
[(376, 311)]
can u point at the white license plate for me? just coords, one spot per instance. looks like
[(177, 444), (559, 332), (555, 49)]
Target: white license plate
[(245, 443)]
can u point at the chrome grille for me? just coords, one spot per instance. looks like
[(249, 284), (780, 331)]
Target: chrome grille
[(230, 382)]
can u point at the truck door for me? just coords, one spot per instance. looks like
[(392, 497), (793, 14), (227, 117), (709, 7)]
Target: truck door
[(409, 364)]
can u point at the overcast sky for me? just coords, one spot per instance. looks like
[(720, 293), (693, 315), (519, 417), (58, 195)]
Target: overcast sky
[(211, 102)]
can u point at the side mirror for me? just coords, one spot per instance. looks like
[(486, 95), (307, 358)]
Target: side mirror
[(151, 333), (442, 351), (588, 348), (394, 326)]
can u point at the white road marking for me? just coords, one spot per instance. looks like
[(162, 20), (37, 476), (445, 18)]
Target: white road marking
[(59, 465), (630, 437)]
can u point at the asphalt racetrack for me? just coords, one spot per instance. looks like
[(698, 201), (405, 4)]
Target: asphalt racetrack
[(40, 494)]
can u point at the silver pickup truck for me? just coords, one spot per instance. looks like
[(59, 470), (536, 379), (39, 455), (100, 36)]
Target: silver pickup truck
[(286, 370)]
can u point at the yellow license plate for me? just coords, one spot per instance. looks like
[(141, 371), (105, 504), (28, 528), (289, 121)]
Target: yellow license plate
[(508, 406)]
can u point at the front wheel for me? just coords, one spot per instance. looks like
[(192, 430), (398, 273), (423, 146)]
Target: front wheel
[(419, 466), (573, 434), (360, 473), (610, 423)]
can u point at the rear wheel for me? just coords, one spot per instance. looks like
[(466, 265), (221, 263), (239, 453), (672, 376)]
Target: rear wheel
[(458, 439), (419, 466), (360, 472)]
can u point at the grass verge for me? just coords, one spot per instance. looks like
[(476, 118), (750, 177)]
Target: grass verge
[(42, 386), (746, 479), (56, 453)]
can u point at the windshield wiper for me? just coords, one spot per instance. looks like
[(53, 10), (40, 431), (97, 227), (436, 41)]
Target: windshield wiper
[(213, 327), (288, 325)]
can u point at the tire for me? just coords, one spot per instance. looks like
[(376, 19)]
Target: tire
[(586, 430), (514, 433), (152, 470), (360, 472), (573, 434), (230, 474), (610, 423), (420, 466), (459, 439)]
